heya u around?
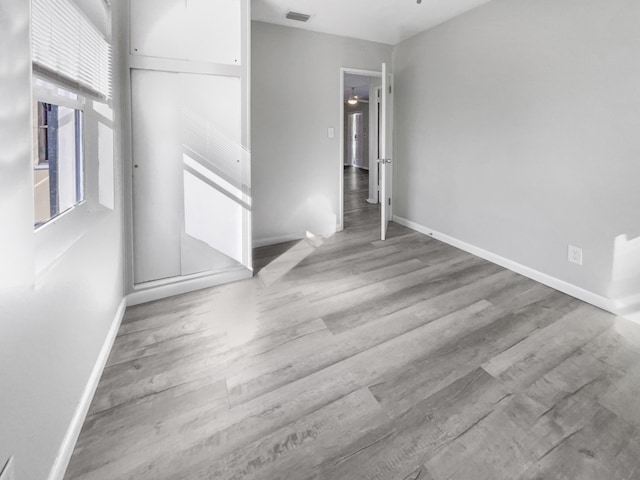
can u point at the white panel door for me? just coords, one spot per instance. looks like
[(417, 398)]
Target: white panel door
[(386, 169), (156, 145), (189, 191)]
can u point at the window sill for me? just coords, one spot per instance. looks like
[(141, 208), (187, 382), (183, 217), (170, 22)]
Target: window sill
[(55, 238)]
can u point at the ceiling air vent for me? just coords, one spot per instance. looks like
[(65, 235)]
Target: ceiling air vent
[(300, 17)]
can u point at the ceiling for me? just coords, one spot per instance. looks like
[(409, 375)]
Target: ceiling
[(384, 21), (360, 85)]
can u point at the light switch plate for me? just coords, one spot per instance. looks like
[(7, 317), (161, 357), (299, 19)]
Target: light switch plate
[(331, 132), (7, 471)]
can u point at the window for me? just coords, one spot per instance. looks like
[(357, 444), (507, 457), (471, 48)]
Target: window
[(58, 160), (72, 124), (69, 55)]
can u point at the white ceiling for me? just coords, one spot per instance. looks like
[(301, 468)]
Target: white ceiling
[(359, 84), (384, 21)]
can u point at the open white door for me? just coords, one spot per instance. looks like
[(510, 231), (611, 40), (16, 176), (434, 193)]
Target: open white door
[(385, 152)]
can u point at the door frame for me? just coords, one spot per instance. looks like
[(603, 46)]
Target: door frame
[(375, 198), (354, 71)]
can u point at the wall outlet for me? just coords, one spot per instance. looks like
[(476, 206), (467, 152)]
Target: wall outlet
[(575, 255), (7, 472)]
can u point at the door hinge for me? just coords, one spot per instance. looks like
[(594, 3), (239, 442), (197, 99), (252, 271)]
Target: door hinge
[(389, 89), (389, 201)]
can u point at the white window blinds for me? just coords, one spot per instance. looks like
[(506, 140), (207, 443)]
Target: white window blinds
[(67, 44)]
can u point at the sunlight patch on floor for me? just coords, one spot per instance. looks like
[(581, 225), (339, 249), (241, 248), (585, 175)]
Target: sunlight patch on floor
[(288, 260)]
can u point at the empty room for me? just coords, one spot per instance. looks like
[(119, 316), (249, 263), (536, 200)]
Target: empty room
[(319, 240)]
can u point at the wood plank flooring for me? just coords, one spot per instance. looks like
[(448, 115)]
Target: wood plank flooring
[(348, 358)]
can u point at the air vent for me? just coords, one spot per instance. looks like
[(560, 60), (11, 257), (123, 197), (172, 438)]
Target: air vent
[(300, 17)]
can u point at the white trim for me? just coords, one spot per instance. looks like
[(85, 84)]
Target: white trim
[(565, 287), (266, 241), (137, 62), (148, 292), (73, 431), (358, 71), (57, 93)]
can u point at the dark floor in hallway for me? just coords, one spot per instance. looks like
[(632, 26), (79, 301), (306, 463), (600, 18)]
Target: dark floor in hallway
[(356, 191)]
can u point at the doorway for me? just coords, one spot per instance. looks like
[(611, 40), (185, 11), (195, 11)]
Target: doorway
[(359, 134)]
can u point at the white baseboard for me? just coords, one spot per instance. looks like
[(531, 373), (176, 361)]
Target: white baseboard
[(565, 287), (73, 431), (266, 241), (148, 292)]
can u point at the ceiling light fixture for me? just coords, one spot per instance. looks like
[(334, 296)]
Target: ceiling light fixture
[(353, 99)]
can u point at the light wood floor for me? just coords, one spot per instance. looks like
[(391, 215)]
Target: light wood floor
[(348, 358)]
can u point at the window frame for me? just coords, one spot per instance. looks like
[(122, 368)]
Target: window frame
[(49, 91), (54, 238)]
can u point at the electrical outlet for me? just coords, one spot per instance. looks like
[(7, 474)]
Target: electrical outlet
[(7, 472), (575, 255)]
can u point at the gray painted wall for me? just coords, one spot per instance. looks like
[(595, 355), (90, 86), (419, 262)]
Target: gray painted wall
[(52, 326), (516, 131), (295, 97)]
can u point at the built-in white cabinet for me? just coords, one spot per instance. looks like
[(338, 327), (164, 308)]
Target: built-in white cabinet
[(191, 191), (196, 30)]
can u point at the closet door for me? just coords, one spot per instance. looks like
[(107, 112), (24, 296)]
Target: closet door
[(197, 30), (191, 162)]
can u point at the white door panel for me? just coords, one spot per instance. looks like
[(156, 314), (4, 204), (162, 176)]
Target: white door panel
[(196, 30), (386, 166), (188, 188), (156, 141)]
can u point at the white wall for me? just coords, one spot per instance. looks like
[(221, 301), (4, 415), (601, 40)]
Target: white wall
[(516, 131), (295, 98), (53, 325)]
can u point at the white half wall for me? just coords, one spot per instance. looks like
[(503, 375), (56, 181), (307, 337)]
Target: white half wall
[(516, 131), (295, 77), (53, 325)]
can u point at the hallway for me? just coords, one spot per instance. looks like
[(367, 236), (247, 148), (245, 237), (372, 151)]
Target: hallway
[(349, 358), (358, 213)]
